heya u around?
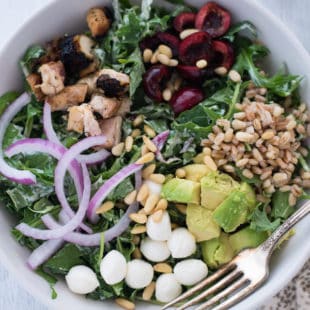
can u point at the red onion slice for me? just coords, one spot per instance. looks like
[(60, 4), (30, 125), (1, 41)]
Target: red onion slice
[(18, 176), (94, 158), (74, 222), (161, 139)]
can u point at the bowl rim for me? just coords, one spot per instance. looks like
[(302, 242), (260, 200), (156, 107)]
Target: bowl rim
[(300, 259)]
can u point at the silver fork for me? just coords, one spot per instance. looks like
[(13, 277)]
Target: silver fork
[(244, 274)]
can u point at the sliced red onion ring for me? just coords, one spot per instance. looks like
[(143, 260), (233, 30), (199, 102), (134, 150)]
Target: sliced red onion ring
[(74, 222), (107, 187), (18, 176), (94, 158), (161, 139)]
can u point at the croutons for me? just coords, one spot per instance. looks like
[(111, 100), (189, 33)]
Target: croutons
[(76, 54), (106, 107), (98, 21), (112, 129), (34, 80), (53, 77), (70, 96)]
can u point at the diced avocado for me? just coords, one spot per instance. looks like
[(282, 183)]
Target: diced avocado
[(235, 209), (217, 251), (195, 172), (215, 187), (181, 190), (200, 223), (246, 238), (198, 159)]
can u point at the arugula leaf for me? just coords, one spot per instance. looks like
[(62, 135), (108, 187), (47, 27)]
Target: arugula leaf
[(242, 26), (50, 280), (255, 180), (13, 133), (30, 58), (280, 205), (6, 99), (101, 251)]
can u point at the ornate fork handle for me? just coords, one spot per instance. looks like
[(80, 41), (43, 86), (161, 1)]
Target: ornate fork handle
[(269, 245)]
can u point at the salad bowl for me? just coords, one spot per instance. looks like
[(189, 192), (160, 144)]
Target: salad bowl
[(61, 17)]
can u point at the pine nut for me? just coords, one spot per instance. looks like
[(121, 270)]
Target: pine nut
[(229, 135), (180, 173), (125, 304), (166, 50), (157, 178), (138, 218), (136, 133), (146, 172), (161, 205), (105, 207), (138, 120), (150, 203), (149, 131), (173, 63), (154, 58), (292, 200), (187, 32), (181, 208), (237, 124), (138, 229), (131, 197), (157, 216), (234, 76), (291, 125), (167, 94), (128, 143), (162, 268), (143, 193), (277, 111), (268, 134), (137, 253), (285, 188), (221, 71), (201, 64), (280, 178), (118, 149), (239, 115), (210, 163), (149, 144), (163, 59), (148, 157), (148, 291), (242, 162), (147, 55), (229, 168), (141, 211), (144, 150), (247, 173), (244, 137)]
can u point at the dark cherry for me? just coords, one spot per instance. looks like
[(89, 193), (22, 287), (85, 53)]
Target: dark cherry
[(170, 40), (150, 42), (195, 47), (213, 19), (185, 99), (154, 81), (184, 21), (223, 54), (194, 74)]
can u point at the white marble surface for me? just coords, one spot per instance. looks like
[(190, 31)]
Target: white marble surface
[(14, 12)]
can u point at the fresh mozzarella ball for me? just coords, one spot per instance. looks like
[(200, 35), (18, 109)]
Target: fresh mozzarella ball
[(154, 251), (113, 267), (81, 280), (167, 287), (190, 271), (159, 231), (139, 274), (154, 188), (181, 243)]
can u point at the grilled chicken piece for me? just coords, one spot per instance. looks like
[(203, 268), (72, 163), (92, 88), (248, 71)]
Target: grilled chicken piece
[(34, 80), (112, 129), (76, 119), (91, 125), (125, 106), (70, 96), (53, 77), (90, 80), (106, 107), (93, 66), (98, 21)]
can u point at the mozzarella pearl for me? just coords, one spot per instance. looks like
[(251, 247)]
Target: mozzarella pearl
[(190, 271), (154, 251), (181, 243), (139, 274), (159, 231), (81, 280), (113, 267), (154, 188), (167, 288)]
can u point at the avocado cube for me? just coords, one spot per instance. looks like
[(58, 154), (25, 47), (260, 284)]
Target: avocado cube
[(246, 238), (200, 223), (250, 195), (217, 251), (181, 190), (195, 172), (215, 187)]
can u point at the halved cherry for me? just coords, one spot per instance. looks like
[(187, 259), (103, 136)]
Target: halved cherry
[(150, 42), (155, 80), (184, 21), (170, 40), (224, 54), (193, 73), (213, 19), (185, 99), (195, 47)]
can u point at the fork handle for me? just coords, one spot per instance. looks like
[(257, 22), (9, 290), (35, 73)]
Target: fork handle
[(269, 245)]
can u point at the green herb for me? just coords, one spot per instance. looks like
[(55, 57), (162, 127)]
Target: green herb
[(240, 27), (280, 205), (50, 280), (101, 251), (30, 59), (6, 99)]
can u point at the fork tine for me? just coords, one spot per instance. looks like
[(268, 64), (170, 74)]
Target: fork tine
[(213, 289), (232, 288), (222, 271)]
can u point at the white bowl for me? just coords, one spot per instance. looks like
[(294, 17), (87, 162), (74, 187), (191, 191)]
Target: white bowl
[(69, 17)]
